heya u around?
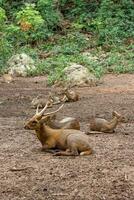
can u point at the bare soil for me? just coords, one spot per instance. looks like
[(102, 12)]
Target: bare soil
[(28, 173)]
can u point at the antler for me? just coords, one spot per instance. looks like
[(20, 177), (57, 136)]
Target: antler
[(37, 110), (53, 111), (64, 98), (43, 110)]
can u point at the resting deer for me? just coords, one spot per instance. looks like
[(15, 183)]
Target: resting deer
[(40, 102), (70, 95), (102, 125), (72, 142), (66, 123)]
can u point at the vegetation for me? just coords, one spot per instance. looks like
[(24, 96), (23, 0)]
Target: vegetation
[(97, 34)]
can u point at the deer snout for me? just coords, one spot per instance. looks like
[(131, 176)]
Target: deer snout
[(26, 127)]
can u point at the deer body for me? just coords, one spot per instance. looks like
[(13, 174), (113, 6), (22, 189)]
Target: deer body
[(102, 125), (66, 123), (71, 141), (40, 102), (54, 138), (51, 138)]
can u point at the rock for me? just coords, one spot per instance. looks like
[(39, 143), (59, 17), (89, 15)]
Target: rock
[(19, 64), (78, 75)]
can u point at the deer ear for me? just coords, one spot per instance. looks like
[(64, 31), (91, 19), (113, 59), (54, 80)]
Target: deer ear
[(44, 119), (38, 117)]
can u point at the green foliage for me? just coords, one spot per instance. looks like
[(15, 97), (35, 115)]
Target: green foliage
[(67, 29), (120, 62), (114, 21), (2, 16), (5, 52), (5, 47), (50, 13), (30, 22), (72, 43), (31, 16), (80, 12)]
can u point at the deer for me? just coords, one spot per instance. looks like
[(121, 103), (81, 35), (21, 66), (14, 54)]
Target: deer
[(70, 142), (102, 125), (65, 123), (69, 95), (40, 102)]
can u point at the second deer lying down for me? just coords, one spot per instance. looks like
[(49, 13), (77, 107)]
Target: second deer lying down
[(72, 142), (66, 123), (102, 125)]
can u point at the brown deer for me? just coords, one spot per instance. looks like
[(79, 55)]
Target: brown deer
[(70, 95), (40, 102), (72, 142), (102, 125), (66, 123)]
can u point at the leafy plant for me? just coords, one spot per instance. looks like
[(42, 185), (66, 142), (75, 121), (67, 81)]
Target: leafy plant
[(31, 23), (5, 47), (114, 21), (50, 13)]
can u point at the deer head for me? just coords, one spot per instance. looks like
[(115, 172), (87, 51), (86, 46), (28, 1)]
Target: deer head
[(39, 118), (119, 117)]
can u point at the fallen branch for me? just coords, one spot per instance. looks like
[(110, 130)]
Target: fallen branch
[(18, 169)]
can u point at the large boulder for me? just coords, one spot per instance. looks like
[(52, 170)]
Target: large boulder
[(78, 75), (20, 64)]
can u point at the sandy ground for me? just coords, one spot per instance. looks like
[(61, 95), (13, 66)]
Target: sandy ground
[(107, 174)]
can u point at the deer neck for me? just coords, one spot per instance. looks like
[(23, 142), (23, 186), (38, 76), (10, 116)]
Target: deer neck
[(42, 133), (113, 123)]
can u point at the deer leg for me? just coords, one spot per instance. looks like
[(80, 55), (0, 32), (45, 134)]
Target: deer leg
[(51, 150), (94, 132), (85, 153), (45, 147), (69, 152), (108, 131), (64, 153)]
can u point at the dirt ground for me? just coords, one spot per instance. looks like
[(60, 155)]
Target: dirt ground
[(107, 174)]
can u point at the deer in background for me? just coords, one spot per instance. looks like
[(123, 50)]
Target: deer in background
[(66, 123), (53, 99), (69, 95), (40, 102), (70, 141), (102, 125)]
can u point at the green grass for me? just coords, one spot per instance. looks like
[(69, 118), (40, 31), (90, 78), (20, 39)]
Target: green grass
[(76, 48)]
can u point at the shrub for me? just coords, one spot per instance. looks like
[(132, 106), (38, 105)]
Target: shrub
[(50, 14), (5, 47), (2, 16), (31, 23), (114, 21)]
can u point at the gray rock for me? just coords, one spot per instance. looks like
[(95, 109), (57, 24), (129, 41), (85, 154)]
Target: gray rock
[(19, 64), (78, 75)]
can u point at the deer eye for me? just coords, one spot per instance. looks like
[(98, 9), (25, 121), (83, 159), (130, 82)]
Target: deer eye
[(34, 122)]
